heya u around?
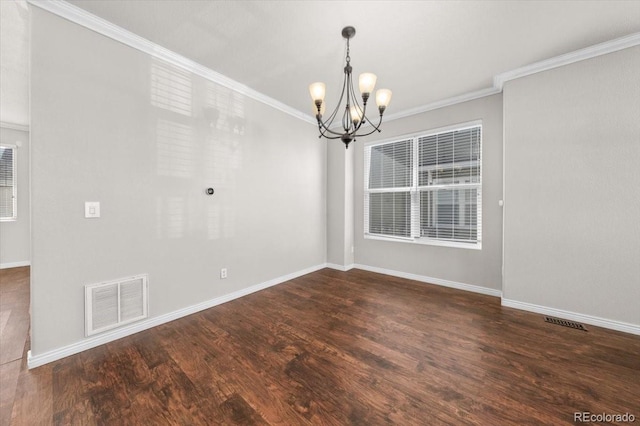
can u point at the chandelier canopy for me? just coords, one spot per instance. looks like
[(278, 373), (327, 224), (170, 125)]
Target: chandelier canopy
[(354, 114)]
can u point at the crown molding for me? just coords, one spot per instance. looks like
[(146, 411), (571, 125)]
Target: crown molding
[(101, 26), (14, 126), (108, 29), (469, 96), (611, 46)]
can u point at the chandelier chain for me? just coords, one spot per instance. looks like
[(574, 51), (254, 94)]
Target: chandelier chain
[(348, 56)]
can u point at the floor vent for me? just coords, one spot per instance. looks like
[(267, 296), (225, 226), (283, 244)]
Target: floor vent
[(115, 303), (565, 323)]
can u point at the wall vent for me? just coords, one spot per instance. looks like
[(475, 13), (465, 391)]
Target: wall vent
[(565, 323), (115, 303)]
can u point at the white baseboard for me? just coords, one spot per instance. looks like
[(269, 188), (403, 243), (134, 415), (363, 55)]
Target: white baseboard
[(431, 280), (83, 345), (574, 316), (109, 336), (339, 267), (15, 264), (14, 126)]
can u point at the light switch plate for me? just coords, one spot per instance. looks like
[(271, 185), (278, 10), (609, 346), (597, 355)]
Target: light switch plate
[(91, 209)]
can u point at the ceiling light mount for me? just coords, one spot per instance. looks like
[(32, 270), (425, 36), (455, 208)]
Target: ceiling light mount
[(354, 115), (348, 32)]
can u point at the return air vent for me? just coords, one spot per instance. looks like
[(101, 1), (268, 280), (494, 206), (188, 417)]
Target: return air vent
[(112, 304), (565, 323)]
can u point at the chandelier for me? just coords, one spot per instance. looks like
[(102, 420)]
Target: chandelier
[(354, 114)]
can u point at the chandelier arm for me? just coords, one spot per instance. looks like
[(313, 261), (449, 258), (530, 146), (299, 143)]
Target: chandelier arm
[(324, 130), (347, 122), (329, 121), (325, 126), (325, 135), (347, 88), (375, 127), (322, 126), (362, 109)]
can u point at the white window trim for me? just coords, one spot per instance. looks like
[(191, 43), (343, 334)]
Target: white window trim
[(415, 190), (15, 183)]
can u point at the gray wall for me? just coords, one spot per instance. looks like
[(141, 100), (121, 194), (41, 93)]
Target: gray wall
[(475, 267), (572, 209), (339, 204), (335, 202), (15, 244), (104, 128)]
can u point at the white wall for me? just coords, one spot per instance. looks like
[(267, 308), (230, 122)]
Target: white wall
[(15, 247), (480, 268), (572, 206), (104, 128)]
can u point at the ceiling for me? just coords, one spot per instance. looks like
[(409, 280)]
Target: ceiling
[(425, 51)]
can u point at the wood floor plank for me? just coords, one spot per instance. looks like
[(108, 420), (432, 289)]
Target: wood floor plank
[(8, 381), (337, 348), (33, 403), (14, 312)]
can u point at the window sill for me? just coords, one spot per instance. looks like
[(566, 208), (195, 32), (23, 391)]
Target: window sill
[(8, 219), (426, 242)]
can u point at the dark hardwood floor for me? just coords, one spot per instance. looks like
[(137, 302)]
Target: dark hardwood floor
[(341, 348), (14, 329)]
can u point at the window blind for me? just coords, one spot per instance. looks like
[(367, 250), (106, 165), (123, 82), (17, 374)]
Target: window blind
[(449, 184), (426, 188), (7, 183), (390, 178)]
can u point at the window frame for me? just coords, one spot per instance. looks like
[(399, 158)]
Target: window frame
[(415, 189), (14, 194)]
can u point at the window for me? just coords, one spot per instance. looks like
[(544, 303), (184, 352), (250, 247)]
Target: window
[(7, 183), (427, 188)]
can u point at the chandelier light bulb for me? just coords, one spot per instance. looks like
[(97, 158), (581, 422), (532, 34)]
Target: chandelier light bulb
[(317, 91), (383, 97), (367, 82), (356, 114)]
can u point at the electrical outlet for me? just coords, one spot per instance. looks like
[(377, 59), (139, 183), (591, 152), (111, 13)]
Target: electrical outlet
[(91, 209), (223, 273)]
